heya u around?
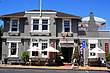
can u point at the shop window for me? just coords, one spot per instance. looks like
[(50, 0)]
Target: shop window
[(92, 54), (34, 53), (35, 44), (92, 46), (44, 45)]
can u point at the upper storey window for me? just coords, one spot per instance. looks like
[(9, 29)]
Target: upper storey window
[(66, 26), (35, 24), (15, 25), (45, 24), (40, 25)]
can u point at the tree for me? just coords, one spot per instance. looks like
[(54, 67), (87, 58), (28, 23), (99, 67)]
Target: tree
[(1, 30), (108, 57), (1, 34), (76, 55), (25, 56)]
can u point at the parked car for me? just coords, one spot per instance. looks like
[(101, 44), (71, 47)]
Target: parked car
[(108, 64)]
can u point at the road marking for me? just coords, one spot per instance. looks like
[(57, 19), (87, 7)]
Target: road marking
[(4, 69), (19, 70), (87, 71), (40, 71), (61, 71)]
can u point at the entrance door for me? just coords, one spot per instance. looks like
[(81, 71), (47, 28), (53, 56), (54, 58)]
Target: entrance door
[(67, 53)]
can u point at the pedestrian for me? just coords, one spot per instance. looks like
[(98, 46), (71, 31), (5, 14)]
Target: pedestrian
[(102, 61)]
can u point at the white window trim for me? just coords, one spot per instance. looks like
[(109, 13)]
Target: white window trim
[(40, 24), (40, 46), (63, 25), (47, 47), (10, 50), (89, 50), (11, 25)]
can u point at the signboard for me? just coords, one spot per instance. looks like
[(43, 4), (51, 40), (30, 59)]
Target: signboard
[(83, 44), (106, 48)]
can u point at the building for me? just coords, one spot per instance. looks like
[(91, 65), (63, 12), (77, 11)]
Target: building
[(26, 29)]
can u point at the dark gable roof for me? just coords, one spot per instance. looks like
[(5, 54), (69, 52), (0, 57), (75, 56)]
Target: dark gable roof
[(59, 14)]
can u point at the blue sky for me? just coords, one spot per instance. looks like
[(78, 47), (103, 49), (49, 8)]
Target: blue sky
[(82, 8)]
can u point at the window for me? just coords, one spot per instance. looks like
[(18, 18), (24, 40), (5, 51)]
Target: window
[(35, 24), (14, 25), (92, 46), (92, 54), (13, 48), (34, 53), (44, 45), (35, 44), (66, 26), (44, 24)]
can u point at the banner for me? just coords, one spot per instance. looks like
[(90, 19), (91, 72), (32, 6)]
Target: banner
[(81, 51)]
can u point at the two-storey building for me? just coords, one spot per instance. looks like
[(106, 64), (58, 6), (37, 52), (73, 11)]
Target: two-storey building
[(24, 30)]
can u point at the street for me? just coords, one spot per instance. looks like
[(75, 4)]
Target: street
[(3, 70)]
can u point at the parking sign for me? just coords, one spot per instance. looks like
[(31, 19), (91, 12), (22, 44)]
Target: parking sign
[(83, 44)]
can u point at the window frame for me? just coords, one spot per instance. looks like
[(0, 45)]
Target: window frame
[(47, 42), (35, 24), (10, 49), (12, 24), (63, 20), (40, 24), (45, 24)]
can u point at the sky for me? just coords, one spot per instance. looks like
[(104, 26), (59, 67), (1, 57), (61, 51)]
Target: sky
[(82, 8)]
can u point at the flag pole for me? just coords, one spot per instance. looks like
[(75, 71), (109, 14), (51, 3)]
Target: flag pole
[(40, 7)]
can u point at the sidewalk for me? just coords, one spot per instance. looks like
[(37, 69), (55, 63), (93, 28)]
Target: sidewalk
[(54, 67)]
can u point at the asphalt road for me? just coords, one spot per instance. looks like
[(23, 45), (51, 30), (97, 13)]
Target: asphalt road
[(45, 71)]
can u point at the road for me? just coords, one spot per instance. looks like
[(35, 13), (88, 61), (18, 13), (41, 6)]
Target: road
[(2, 70)]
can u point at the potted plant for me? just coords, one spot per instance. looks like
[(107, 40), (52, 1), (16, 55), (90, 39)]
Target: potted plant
[(108, 60), (25, 57)]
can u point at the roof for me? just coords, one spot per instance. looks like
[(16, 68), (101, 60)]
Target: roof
[(59, 14)]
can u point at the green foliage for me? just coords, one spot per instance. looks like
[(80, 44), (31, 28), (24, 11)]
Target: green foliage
[(24, 56), (1, 30), (59, 53), (108, 57), (76, 55)]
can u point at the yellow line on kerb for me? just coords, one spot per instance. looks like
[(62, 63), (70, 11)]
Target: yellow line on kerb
[(87, 71)]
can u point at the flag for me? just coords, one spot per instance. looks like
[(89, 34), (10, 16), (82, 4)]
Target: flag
[(83, 25), (100, 25), (65, 36)]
